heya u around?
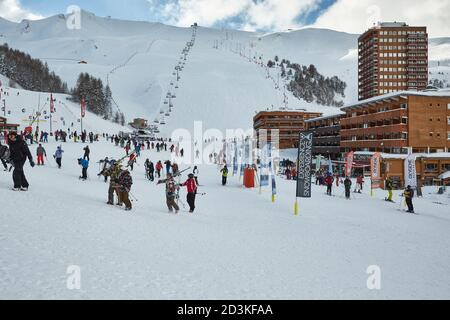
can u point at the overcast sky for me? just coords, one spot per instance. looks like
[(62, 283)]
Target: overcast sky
[(353, 16)]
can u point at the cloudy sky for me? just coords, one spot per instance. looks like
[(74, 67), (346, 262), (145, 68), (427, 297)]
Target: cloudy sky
[(253, 15)]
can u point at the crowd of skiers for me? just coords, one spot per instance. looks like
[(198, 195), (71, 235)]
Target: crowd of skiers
[(119, 172)]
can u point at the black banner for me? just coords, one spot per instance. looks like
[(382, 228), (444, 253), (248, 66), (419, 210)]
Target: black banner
[(304, 164)]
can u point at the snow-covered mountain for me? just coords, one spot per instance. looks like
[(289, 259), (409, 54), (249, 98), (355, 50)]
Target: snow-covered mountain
[(222, 81)]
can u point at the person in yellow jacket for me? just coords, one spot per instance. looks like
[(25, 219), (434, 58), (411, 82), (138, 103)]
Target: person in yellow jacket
[(389, 188), (224, 172)]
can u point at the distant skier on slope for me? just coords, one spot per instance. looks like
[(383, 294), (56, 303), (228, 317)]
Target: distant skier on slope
[(348, 187)]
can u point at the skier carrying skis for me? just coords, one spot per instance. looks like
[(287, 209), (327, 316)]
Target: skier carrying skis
[(113, 172), (348, 187), (224, 172), (58, 156), (409, 195), (389, 188), (192, 191), (132, 161), (125, 181), (19, 153), (171, 194), (40, 153)]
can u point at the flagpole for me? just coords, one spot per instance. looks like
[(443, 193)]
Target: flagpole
[(51, 103)]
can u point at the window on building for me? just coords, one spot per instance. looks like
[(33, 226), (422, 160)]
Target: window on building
[(431, 167), (448, 121), (448, 136)]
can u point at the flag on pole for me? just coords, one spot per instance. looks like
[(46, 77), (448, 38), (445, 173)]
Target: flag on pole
[(375, 168), (83, 107), (349, 164), (52, 106), (235, 159), (330, 166), (304, 168), (318, 162), (264, 171), (410, 171)]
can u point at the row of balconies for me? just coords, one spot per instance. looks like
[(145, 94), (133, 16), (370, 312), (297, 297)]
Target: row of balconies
[(397, 128), (397, 143)]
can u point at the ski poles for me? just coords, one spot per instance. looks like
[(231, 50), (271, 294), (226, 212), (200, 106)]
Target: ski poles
[(133, 197)]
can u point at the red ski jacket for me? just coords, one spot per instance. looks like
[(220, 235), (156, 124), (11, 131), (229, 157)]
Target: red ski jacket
[(191, 186)]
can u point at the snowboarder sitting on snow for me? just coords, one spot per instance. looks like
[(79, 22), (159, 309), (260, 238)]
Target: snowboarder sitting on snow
[(409, 195), (19, 153), (348, 187), (192, 191), (389, 188), (84, 167), (125, 181)]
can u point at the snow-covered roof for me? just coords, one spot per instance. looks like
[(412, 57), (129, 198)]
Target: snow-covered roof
[(441, 155), (445, 175), (392, 95), (332, 116)]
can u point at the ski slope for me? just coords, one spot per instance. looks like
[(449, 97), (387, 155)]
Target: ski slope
[(237, 245), (22, 106), (219, 86)]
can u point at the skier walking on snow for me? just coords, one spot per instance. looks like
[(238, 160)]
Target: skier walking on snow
[(40, 153), (125, 182), (409, 195), (224, 172), (84, 167), (192, 191), (389, 188), (171, 194), (58, 156), (87, 152), (19, 153), (348, 187), (329, 182)]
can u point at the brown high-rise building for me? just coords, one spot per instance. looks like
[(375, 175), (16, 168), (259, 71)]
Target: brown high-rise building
[(392, 57)]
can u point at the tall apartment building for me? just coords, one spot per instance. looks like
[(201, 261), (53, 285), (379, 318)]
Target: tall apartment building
[(392, 57)]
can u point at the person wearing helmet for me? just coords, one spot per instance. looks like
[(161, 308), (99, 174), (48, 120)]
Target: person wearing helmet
[(191, 186)]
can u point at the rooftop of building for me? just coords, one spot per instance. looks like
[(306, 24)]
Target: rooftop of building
[(333, 116), (445, 93)]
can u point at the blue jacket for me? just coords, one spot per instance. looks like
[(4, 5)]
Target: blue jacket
[(84, 164)]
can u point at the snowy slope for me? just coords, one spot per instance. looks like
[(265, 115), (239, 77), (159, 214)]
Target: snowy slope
[(217, 85), (238, 245), (138, 59), (22, 105)]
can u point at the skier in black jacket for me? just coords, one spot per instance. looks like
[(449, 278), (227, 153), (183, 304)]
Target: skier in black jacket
[(19, 154)]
